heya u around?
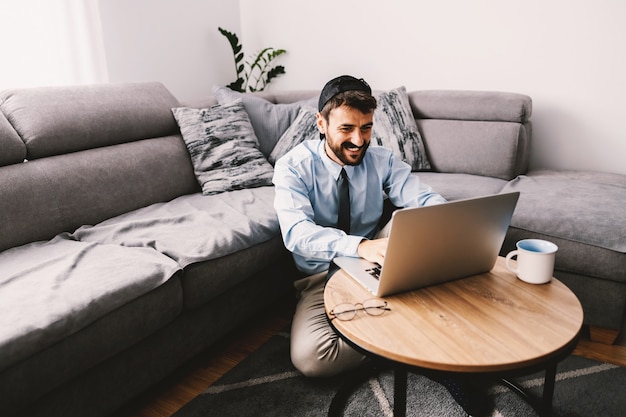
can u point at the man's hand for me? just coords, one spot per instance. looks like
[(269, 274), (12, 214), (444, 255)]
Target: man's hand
[(373, 250)]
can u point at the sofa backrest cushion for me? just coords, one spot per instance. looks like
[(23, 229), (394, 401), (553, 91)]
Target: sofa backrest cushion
[(474, 132), (44, 197), (93, 152), (12, 149), (471, 105), (59, 120), (469, 132), (486, 148)]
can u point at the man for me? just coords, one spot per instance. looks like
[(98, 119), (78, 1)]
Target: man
[(306, 180), (307, 206)]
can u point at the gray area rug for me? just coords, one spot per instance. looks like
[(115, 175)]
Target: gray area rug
[(267, 384)]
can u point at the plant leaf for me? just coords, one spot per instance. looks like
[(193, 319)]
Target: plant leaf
[(259, 58), (274, 72), (259, 73), (232, 39), (277, 52), (237, 85), (237, 56)]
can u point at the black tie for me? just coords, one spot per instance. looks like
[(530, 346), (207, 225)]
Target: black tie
[(343, 194)]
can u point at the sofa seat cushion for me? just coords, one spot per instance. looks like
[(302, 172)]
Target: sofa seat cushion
[(194, 227), (583, 212), (77, 354), (582, 206), (575, 257), (203, 281), (460, 186), (51, 290)]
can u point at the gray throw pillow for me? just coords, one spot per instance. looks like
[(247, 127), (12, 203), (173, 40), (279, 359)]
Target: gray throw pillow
[(268, 119), (303, 128), (395, 128), (223, 148)]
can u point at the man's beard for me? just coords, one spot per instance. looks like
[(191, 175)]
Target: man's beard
[(338, 151)]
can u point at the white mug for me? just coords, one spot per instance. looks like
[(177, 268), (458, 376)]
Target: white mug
[(535, 260)]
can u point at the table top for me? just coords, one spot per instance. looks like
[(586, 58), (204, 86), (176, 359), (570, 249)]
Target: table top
[(490, 322)]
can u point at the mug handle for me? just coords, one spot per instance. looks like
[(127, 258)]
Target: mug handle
[(508, 259)]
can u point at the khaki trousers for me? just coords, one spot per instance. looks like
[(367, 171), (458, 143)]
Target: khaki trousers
[(316, 350)]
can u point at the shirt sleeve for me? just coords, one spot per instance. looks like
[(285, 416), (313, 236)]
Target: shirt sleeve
[(405, 189), (301, 235)]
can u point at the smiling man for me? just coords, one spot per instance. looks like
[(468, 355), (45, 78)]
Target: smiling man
[(307, 181), (316, 228)]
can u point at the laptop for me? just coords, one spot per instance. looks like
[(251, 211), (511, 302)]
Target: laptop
[(436, 244)]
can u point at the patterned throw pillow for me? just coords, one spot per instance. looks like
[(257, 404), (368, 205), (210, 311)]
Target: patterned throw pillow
[(395, 128), (303, 128), (223, 148), (269, 120)]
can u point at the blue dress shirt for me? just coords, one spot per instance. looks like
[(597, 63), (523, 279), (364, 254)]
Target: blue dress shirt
[(305, 181)]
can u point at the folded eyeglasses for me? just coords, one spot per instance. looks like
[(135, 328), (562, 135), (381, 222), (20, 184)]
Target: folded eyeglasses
[(347, 311)]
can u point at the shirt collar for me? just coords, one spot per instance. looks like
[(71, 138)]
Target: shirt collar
[(333, 167)]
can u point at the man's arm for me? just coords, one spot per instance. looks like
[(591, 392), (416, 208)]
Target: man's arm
[(405, 189), (301, 234)]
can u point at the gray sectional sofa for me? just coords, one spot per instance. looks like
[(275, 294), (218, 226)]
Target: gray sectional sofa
[(115, 269)]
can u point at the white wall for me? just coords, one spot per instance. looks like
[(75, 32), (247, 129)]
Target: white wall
[(175, 42), (50, 42), (568, 55)]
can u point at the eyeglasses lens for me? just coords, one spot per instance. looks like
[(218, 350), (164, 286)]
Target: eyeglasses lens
[(344, 311), (374, 307)]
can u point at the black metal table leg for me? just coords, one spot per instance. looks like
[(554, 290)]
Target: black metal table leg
[(543, 405), (399, 391), (548, 389)]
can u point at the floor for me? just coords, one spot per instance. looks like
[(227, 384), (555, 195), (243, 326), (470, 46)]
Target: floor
[(200, 373)]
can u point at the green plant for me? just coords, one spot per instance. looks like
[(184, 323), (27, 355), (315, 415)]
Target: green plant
[(256, 74)]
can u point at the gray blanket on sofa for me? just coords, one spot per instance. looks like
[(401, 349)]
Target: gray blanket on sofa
[(193, 228), (50, 290)]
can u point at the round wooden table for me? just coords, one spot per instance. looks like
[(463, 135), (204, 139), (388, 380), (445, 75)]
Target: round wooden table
[(486, 324)]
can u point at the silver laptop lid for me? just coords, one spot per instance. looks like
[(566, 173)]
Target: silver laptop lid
[(436, 244)]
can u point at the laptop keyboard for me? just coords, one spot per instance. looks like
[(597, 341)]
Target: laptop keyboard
[(374, 271)]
